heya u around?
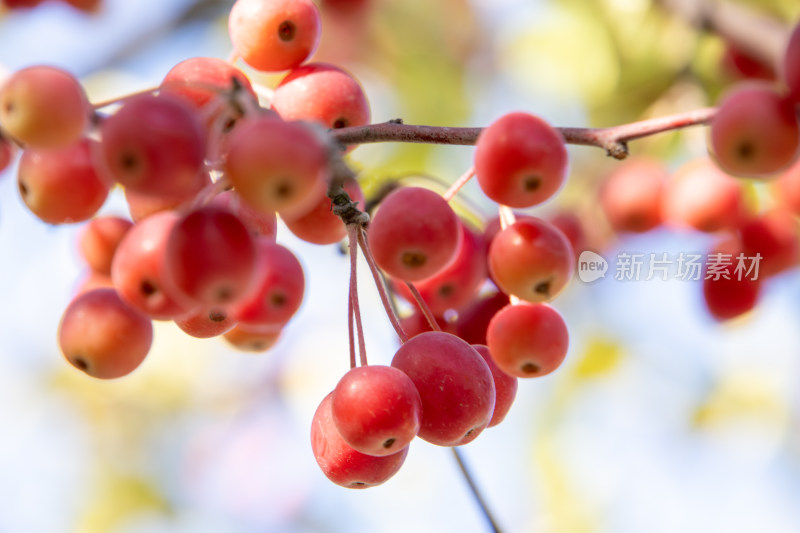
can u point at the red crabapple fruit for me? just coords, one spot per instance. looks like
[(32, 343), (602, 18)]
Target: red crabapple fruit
[(520, 160), (99, 239), (322, 93), (277, 166), (340, 462), (754, 132), (454, 383), (206, 322), (7, 152), (376, 409), (505, 386), (791, 65), (211, 257), (631, 195), (527, 340), (729, 289), (138, 269), (277, 290), (60, 185), (103, 336), (275, 35), (44, 107), (456, 284), (321, 225), (154, 145), (774, 236), (252, 339), (200, 80), (703, 197), (260, 223), (414, 234), (531, 259)]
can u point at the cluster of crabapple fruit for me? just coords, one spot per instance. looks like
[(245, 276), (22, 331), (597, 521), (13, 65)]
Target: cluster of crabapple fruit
[(207, 168), (754, 135)]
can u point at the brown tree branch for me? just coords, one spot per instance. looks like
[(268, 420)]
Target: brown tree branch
[(614, 140)]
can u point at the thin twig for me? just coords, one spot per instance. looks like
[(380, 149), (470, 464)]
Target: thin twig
[(458, 184), (423, 306), (352, 232), (614, 140), (373, 267), (473, 487)]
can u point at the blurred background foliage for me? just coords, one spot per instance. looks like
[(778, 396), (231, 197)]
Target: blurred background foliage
[(661, 419)]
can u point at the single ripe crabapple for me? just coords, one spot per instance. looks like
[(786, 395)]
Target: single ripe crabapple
[(154, 145), (103, 336), (7, 152), (376, 409), (277, 290), (277, 165), (454, 383), (727, 291), (274, 35), (414, 234), (206, 322), (199, 81), (531, 259), (527, 340), (340, 462), (774, 237), (520, 160), (322, 93), (44, 107), (320, 225), (754, 132), (631, 195), (252, 339), (210, 257), (142, 205), (456, 284), (99, 239), (61, 185), (703, 197)]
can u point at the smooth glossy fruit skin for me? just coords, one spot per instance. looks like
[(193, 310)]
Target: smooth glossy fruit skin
[(703, 197), (531, 259), (786, 190), (206, 322), (520, 160), (141, 206), (631, 196), (457, 283), (528, 340), (260, 223), (277, 290), (103, 336), (277, 165), (454, 383), (340, 462), (320, 225), (99, 239), (154, 145), (252, 339), (754, 132), (211, 257), (139, 273), (44, 107), (376, 409), (274, 35), (505, 386), (726, 295), (199, 81), (414, 234), (791, 65), (61, 185), (774, 236), (323, 93), (474, 319)]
